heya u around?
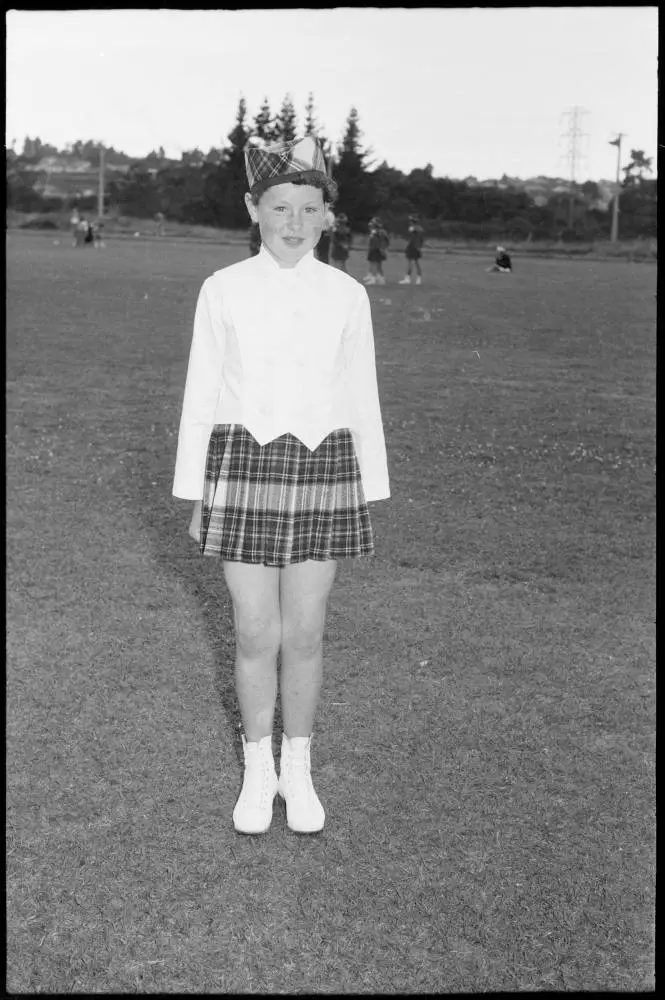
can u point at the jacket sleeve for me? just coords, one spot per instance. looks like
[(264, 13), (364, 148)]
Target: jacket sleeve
[(202, 388), (366, 423)]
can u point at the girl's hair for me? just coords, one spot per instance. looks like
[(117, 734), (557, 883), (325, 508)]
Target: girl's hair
[(316, 180)]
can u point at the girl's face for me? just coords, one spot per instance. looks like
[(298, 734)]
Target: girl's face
[(290, 217)]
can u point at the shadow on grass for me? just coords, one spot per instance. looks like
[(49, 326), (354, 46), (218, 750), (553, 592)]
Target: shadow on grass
[(164, 520)]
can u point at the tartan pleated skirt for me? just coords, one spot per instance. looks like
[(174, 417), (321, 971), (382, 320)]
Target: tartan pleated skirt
[(280, 503)]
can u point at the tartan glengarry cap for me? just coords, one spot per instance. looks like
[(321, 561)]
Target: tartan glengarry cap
[(281, 162)]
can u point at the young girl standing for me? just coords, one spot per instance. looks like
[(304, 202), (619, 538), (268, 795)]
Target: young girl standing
[(414, 250), (377, 252), (341, 241), (281, 448)]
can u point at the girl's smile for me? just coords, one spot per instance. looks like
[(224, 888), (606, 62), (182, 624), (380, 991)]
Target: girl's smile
[(291, 219)]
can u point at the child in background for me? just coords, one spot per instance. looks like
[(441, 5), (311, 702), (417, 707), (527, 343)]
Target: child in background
[(254, 239), (323, 246), (377, 252), (98, 235), (341, 241), (281, 447), (74, 223), (81, 232), (413, 251)]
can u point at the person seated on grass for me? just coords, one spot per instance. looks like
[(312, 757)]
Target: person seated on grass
[(377, 252), (340, 245), (414, 250), (281, 447), (502, 262)]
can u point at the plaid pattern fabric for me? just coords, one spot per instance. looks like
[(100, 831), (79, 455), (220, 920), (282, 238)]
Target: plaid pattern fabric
[(280, 160), (281, 503)]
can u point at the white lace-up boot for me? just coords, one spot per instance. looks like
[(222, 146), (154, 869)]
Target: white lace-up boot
[(253, 810), (406, 280), (304, 812)]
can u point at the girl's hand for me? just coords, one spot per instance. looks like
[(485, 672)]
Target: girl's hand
[(195, 523)]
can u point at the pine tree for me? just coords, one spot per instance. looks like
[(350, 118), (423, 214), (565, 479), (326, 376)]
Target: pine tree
[(351, 141), (239, 134), (357, 196), (286, 124), (264, 125), (226, 188), (311, 128)]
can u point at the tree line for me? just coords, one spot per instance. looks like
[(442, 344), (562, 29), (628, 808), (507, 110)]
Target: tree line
[(208, 188)]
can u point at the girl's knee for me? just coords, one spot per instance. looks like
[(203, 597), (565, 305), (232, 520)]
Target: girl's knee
[(257, 635), (302, 638)]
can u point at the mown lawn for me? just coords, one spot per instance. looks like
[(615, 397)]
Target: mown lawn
[(485, 744)]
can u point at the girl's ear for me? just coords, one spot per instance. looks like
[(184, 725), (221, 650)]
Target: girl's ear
[(251, 207)]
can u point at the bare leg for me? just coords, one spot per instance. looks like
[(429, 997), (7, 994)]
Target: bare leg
[(304, 590), (255, 594)]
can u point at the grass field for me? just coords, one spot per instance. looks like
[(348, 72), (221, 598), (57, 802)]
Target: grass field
[(485, 744)]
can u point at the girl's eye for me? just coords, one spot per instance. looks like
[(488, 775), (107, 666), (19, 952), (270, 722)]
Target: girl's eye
[(310, 209)]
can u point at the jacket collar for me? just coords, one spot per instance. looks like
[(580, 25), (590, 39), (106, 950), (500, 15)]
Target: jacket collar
[(303, 267)]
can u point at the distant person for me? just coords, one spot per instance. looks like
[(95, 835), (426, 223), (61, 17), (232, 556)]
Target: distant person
[(340, 241), (254, 239), (74, 222), (98, 234), (159, 219), (89, 237), (502, 262), (81, 232), (323, 246), (414, 250), (377, 252)]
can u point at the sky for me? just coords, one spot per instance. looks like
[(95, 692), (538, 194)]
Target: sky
[(473, 91)]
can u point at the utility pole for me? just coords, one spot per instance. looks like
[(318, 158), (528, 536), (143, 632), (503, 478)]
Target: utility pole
[(574, 154), (100, 190), (615, 205)]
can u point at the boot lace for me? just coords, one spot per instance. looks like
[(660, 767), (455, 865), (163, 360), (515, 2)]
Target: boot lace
[(299, 777), (256, 783)]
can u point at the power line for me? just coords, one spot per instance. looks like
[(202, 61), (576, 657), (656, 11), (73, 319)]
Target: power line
[(574, 134), (574, 154)]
